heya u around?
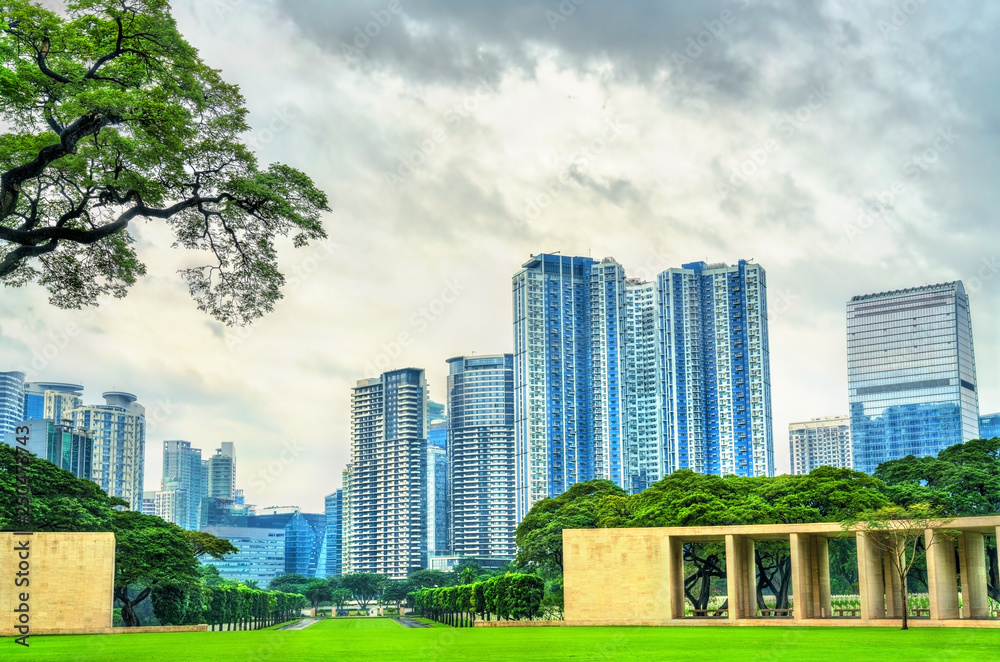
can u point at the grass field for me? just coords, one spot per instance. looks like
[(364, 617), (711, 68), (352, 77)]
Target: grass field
[(383, 640)]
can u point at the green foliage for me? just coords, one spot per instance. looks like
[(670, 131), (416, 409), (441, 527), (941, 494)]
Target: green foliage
[(289, 583), (114, 117), (317, 592), (514, 596), (365, 587), (205, 543)]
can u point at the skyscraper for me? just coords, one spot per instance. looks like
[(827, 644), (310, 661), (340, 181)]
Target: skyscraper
[(388, 481), (11, 400), (438, 506), (119, 431), (61, 444), (911, 373), (345, 523), (481, 455), (182, 471), (820, 442), (222, 472), (989, 426), (51, 400), (627, 380)]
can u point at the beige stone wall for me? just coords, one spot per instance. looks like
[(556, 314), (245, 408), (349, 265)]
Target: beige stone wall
[(71, 581), (617, 575)]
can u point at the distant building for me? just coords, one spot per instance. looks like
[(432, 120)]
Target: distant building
[(62, 445), (11, 400), (222, 472), (261, 555), (149, 502), (437, 501), (481, 456), (119, 432), (449, 563), (345, 523), (820, 442), (388, 481), (173, 503), (911, 373), (51, 400), (182, 471), (334, 533), (989, 426)]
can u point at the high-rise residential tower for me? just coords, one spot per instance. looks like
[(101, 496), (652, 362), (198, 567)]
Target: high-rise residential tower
[(820, 442), (989, 426), (119, 432), (61, 444), (51, 400), (388, 481), (182, 471), (911, 373), (11, 400), (222, 472), (627, 380), (481, 455)]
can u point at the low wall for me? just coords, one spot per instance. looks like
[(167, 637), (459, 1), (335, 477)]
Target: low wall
[(145, 629)]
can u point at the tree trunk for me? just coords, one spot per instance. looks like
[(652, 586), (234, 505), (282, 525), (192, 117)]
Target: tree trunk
[(906, 605)]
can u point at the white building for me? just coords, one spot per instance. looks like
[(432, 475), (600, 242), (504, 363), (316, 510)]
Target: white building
[(820, 442)]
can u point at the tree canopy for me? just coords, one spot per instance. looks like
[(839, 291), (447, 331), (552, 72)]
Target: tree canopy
[(113, 118)]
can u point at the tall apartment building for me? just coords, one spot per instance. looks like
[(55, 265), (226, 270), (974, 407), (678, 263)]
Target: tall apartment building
[(345, 522), (989, 426), (334, 509), (63, 445), (481, 456), (627, 380), (119, 432), (388, 478), (820, 442), (51, 400), (182, 472), (11, 400), (911, 373), (222, 472), (149, 502)]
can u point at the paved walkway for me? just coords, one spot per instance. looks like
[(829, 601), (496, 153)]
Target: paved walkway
[(299, 625), (409, 622)]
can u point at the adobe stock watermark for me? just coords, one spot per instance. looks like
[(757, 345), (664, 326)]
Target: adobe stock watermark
[(714, 30), (745, 167), (290, 451), (299, 274), (578, 163), (564, 10), (280, 119), (157, 415), (408, 165), (364, 34), (899, 17), (420, 320), (987, 271), (878, 207)]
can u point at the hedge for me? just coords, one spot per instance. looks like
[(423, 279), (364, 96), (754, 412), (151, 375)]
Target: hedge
[(513, 596)]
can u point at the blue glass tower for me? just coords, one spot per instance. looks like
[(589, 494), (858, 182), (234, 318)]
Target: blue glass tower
[(334, 534), (911, 373), (11, 400)]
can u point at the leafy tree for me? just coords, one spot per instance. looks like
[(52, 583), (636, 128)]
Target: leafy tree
[(317, 592), (395, 593), (429, 579), (114, 117), (149, 552), (340, 597), (289, 583), (205, 543), (365, 587), (896, 530)]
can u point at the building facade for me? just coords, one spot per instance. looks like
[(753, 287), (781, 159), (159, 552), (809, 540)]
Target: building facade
[(438, 507), (388, 482), (989, 426), (11, 400), (627, 380), (51, 400), (63, 445), (820, 442), (119, 433), (222, 472), (911, 373), (334, 509), (345, 522), (182, 470), (261, 555), (481, 456)]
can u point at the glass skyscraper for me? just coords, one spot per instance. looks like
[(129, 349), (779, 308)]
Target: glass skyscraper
[(481, 455), (911, 373), (11, 400), (388, 474), (62, 445), (182, 472), (334, 508), (627, 380)]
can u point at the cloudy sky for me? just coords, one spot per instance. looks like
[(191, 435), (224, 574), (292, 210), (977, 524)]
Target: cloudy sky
[(848, 148)]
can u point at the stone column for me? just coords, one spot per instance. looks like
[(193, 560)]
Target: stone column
[(822, 605), (675, 577), (942, 582), (802, 575), (972, 568), (741, 577), (893, 589), (870, 578)]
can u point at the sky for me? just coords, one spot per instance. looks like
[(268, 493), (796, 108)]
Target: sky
[(847, 147)]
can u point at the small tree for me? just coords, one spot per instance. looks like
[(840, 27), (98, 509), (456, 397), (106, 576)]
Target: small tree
[(317, 592), (896, 531), (365, 587), (340, 597)]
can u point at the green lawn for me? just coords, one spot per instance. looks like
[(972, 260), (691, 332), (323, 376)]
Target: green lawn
[(383, 640)]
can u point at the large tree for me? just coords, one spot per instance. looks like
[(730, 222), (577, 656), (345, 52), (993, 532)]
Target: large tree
[(113, 117), (365, 587)]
